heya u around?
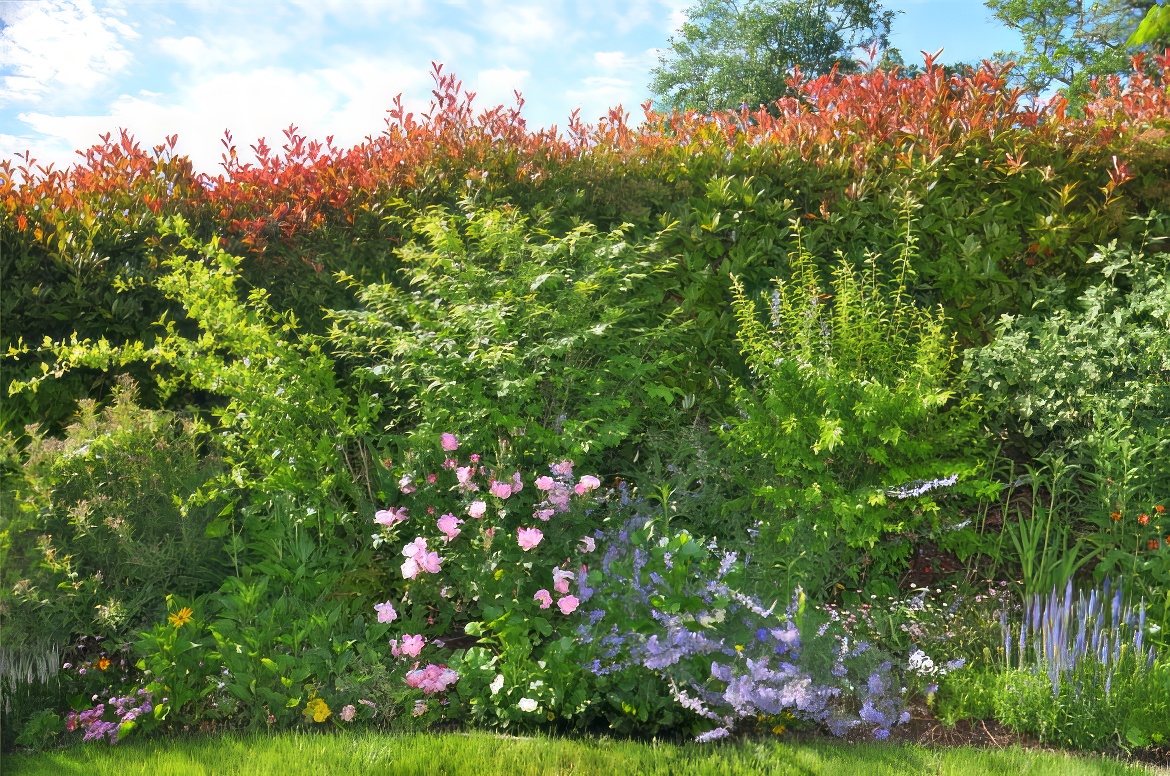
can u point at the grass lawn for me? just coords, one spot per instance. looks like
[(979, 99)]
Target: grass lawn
[(482, 754)]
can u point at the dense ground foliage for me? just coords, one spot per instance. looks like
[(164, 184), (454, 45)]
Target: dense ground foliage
[(804, 417)]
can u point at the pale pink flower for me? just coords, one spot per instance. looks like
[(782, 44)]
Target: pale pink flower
[(589, 482), (415, 548), (347, 713), (450, 463), (561, 580), (545, 483), (559, 497), (517, 482), (391, 517), (386, 612), (588, 544), (432, 478), (543, 596), (430, 563), (501, 489), (477, 508), (543, 514), (449, 525), (406, 484), (420, 706), (413, 645), (464, 474), (568, 604), (409, 569), (564, 468), (490, 533), (528, 537), (449, 442)]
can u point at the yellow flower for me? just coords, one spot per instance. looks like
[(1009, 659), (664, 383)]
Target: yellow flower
[(103, 664), (499, 573), (739, 647), (317, 709), (181, 617), (778, 730)]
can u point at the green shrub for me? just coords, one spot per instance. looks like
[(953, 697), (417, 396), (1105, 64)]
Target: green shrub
[(854, 413)]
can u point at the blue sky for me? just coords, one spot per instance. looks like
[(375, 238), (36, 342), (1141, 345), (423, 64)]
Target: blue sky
[(72, 69)]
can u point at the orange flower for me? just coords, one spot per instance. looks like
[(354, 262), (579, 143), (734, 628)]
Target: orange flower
[(1152, 544), (181, 617), (103, 664), (1159, 509), (1116, 516), (1143, 519)]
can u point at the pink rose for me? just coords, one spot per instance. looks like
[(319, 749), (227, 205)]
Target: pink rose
[(409, 569), (386, 612), (588, 483), (449, 525), (412, 645), (544, 598), (406, 484), (561, 580), (501, 489), (545, 483), (568, 604), (391, 517), (430, 562), (475, 457), (477, 508), (432, 679), (415, 548), (528, 537), (449, 442), (588, 544), (432, 478)]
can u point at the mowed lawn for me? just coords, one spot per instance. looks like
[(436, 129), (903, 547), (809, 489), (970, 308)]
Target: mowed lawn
[(482, 754)]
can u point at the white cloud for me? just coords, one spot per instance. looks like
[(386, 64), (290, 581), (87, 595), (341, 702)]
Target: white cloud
[(60, 46), (497, 86)]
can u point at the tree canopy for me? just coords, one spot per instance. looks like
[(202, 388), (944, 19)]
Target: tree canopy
[(734, 52)]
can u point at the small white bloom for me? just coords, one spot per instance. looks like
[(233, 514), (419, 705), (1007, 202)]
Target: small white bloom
[(536, 684), (497, 684), (527, 704)]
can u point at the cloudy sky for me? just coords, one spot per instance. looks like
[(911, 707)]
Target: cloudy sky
[(73, 69)]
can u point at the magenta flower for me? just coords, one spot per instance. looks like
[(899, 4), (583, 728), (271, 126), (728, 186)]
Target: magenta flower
[(543, 514), (449, 525), (430, 563), (391, 517), (474, 457), (563, 469), (412, 645), (450, 463), (432, 478), (449, 442), (406, 484), (501, 489), (386, 612), (588, 544), (477, 508), (543, 596), (528, 537), (545, 483), (517, 482), (568, 604)]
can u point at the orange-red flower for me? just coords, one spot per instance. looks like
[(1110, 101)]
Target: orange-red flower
[(1152, 544), (1143, 519), (103, 664), (1159, 509), (1115, 515)]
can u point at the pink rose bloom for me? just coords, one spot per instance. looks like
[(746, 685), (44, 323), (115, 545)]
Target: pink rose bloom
[(449, 442), (586, 484), (432, 478), (430, 562), (517, 483), (588, 544), (412, 645), (450, 463), (475, 457), (386, 612), (477, 508), (489, 533), (464, 474), (545, 483), (432, 679), (501, 489), (544, 598), (347, 713), (564, 468), (409, 569), (543, 514), (568, 604), (449, 525), (561, 580), (528, 537), (406, 484), (415, 548), (391, 517)]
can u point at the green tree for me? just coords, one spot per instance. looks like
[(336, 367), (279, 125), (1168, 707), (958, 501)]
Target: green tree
[(1154, 29), (730, 52), (1067, 42)]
